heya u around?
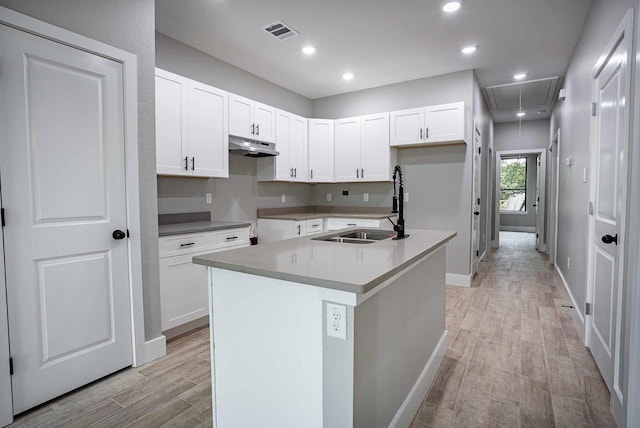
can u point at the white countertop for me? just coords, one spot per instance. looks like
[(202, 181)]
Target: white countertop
[(355, 268)]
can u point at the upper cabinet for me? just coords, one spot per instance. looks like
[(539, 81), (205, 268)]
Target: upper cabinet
[(362, 151), (251, 119), (321, 133), (192, 136), (291, 142), (440, 124)]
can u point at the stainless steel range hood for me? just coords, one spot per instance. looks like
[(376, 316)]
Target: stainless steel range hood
[(255, 149)]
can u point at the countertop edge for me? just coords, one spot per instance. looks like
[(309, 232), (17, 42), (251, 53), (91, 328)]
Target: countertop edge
[(197, 229), (311, 216)]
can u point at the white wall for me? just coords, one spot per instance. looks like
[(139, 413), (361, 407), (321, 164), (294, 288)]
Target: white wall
[(128, 25)]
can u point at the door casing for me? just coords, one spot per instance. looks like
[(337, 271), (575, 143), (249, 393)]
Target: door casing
[(22, 22)]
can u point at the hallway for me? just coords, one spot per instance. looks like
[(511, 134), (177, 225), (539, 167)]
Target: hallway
[(514, 357)]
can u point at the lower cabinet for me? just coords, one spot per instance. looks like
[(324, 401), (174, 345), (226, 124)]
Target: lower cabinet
[(345, 223), (270, 230), (183, 285)]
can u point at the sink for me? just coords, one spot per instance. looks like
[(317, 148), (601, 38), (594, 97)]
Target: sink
[(357, 237)]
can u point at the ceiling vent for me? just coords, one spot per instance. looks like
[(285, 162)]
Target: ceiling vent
[(280, 31)]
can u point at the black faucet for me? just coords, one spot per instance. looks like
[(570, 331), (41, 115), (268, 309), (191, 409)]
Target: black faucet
[(399, 225)]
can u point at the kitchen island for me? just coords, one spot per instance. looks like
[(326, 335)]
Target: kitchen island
[(316, 332)]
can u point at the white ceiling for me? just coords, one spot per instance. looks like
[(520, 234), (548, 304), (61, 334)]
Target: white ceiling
[(380, 41)]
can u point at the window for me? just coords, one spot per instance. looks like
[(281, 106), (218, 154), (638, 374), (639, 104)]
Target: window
[(513, 184)]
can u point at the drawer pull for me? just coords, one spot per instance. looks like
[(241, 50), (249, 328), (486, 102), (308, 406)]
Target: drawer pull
[(351, 224), (231, 238), (187, 245), (315, 225)]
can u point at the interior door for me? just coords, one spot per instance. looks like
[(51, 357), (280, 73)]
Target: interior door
[(347, 150), (610, 152), (477, 192), (6, 409), (375, 164), (63, 176)]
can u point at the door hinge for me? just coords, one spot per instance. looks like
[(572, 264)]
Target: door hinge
[(478, 201), (594, 108), (2, 215), (537, 235), (587, 309), (479, 150), (590, 208), (128, 235), (477, 253), (11, 366)]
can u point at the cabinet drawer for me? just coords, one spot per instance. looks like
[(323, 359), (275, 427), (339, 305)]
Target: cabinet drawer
[(231, 237), (344, 223), (315, 225), (184, 244)]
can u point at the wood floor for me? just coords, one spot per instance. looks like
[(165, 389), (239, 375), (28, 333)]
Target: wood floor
[(514, 360)]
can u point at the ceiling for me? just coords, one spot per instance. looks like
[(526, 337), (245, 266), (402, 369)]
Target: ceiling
[(381, 41)]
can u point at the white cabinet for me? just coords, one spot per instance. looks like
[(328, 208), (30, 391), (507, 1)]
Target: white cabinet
[(291, 142), (321, 134), (272, 230), (439, 124), (251, 119), (192, 137), (183, 285), (345, 223), (314, 226), (362, 151)]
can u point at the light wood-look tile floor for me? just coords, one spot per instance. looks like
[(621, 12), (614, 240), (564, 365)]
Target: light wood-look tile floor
[(514, 359)]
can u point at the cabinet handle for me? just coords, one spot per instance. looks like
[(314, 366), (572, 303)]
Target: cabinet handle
[(362, 173), (193, 163), (295, 172), (312, 174), (357, 173), (187, 245), (352, 224), (186, 163), (231, 238), (315, 225), (298, 230), (253, 128), (291, 173), (427, 133), (258, 129), (421, 133)]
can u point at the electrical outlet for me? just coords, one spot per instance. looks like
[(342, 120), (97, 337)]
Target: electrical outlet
[(406, 196), (208, 195), (284, 198), (337, 321), (328, 197), (584, 175), (568, 263), (366, 197)]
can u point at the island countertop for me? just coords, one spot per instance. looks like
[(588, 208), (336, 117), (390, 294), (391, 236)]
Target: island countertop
[(356, 268)]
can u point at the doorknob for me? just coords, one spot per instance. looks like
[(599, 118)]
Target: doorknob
[(608, 239), (476, 213), (118, 234)]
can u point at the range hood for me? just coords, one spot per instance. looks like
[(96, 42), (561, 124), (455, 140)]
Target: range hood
[(254, 149)]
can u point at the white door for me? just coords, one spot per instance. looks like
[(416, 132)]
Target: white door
[(537, 205), (63, 176), (264, 118), (284, 170), (298, 148), (6, 409), (477, 186), (347, 150), (609, 164), (240, 117), (407, 127), (321, 150), (375, 151), (444, 122), (171, 136), (553, 210), (207, 129)]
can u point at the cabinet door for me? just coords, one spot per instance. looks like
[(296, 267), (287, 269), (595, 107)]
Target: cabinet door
[(445, 123), (183, 291), (300, 228), (298, 148), (347, 150), (321, 151), (264, 117), (407, 127), (375, 152), (314, 226), (171, 136), (240, 117), (208, 131), (284, 170)]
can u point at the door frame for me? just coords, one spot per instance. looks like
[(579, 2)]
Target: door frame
[(554, 187), (490, 167), (6, 399), (128, 60), (624, 30), (542, 206), (475, 260)]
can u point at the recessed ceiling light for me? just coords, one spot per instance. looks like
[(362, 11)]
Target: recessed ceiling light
[(451, 6), (347, 76), (469, 49), (519, 76), (309, 50), (520, 114)]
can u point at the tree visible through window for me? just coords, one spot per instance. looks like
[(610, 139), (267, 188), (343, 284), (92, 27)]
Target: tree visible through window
[(513, 184)]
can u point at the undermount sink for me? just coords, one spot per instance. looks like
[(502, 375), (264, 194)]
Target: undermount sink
[(357, 237)]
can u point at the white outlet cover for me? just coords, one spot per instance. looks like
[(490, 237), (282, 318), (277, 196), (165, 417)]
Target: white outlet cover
[(366, 197), (208, 198), (406, 196), (284, 198), (337, 321), (328, 197)]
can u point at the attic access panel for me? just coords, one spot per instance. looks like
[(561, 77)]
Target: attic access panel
[(535, 93)]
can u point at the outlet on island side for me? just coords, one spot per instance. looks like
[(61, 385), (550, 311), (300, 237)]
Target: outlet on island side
[(337, 321), (328, 197), (208, 198), (366, 197), (284, 198)]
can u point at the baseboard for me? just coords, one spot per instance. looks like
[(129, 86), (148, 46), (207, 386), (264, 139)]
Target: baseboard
[(181, 330), (576, 310), (154, 349), (494, 244), (518, 229), (407, 411), (459, 280)]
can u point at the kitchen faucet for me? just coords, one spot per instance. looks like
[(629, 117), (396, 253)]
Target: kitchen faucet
[(399, 225)]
